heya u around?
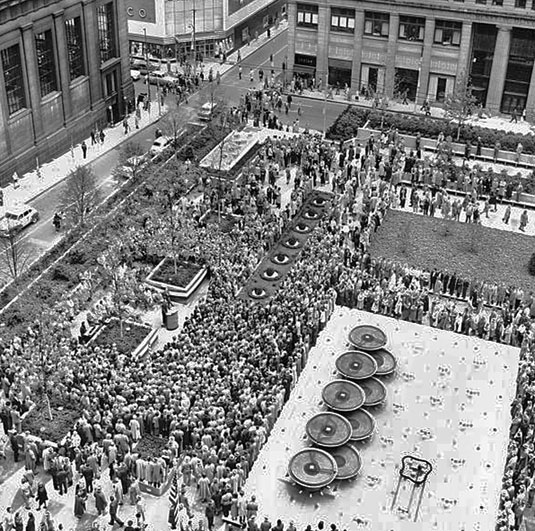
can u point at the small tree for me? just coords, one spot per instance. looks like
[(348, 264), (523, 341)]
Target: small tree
[(81, 195), (15, 253), (173, 122), (124, 290), (460, 104), (132, 157)]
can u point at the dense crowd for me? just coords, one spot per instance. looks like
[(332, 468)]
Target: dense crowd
[(215, 391)]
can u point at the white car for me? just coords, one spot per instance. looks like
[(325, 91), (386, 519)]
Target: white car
[(135, 74), (18, 218), (159, 145)]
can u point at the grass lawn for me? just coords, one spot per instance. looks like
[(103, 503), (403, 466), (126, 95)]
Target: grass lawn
[(38, 423), (478, 252), (133, 335), (184, 274)]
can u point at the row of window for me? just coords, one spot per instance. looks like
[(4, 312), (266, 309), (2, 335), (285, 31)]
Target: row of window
[(11, 58), (377, 24)]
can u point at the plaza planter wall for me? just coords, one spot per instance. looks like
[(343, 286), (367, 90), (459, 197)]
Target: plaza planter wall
[(177, 293)]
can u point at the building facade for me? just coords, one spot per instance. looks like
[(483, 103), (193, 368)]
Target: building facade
[(419, 48), (64, 69), (171, 29)]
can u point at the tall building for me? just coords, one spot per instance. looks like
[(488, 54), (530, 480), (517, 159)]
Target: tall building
[(171, 29), (64, 69), (419, 47)]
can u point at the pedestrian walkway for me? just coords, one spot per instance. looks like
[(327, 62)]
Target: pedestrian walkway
[(34, 183), (493, 122)]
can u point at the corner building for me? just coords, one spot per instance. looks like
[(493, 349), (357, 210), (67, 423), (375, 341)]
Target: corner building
[(64, 69), (419, 47)]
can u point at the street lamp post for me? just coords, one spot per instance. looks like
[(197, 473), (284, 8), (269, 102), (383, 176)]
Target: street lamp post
[(147, 63)]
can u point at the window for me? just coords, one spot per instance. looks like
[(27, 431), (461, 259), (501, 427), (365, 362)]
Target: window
[(520, 3), (342, 20), (44, 47), (376, 24), (497, 2), (307, 15), (106, 32), (75, 50), (447, 33), (411, 28), (13, 79)]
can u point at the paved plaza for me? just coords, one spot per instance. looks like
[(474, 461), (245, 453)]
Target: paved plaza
[(457, 388)]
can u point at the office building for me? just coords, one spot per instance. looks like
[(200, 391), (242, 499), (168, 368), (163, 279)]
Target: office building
[(64, 69), (173, 28), (419, 47)]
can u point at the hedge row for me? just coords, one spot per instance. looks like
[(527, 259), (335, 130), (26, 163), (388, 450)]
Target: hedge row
[(347, 124), (65, 275)]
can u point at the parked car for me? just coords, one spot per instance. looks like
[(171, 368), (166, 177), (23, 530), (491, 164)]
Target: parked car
[(206, 111), (135, 74), (18, 218), (159, 145), (159, 77)]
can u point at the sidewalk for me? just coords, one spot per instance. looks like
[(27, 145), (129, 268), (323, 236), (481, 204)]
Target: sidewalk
[(33, 184), (494, 122)]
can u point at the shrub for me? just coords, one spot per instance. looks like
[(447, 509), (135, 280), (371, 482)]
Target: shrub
[(348, 123), (531, 265)]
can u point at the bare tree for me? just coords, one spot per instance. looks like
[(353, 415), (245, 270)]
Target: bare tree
[(81, 195), (15, 253), (460, 104), (132, 158)]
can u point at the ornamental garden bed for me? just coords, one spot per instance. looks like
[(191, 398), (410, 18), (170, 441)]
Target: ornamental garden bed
[(134, 336), (38, 423), (151, 446), (353, 118), (473, 251), (181, 283)]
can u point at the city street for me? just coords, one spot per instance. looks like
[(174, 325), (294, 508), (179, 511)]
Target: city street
[(42, 236)]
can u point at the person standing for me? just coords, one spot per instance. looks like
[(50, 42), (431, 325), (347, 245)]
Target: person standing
[(30, 524), (210, 514), (79, 501), (523, 220), (102, 136), (42, 495), (100, 500), (84, 149), (507, 214), (114, 507), (514, 115)]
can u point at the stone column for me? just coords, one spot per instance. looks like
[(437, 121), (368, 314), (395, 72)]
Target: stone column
[(425, 60), (63, 64), (292, 30), (92, 51), (322, 59), (463, 65), (29, 58), (499, 69), (530, 101), (125, 85), (390, 73), (357, 51)]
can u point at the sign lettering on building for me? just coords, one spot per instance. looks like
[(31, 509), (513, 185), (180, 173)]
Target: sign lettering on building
[(340, 52), (141, 10), (373, 57), (443, 67)]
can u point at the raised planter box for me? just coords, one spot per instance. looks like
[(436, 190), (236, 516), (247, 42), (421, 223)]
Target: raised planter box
[(141, 347), (177, 293)]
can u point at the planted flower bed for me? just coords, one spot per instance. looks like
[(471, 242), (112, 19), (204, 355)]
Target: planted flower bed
[(38, 423), (348, 123), (181, 282), (133, 336), (151, 446)]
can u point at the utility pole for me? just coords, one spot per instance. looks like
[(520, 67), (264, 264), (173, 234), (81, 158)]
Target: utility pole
[(147, 63), (193, 46)]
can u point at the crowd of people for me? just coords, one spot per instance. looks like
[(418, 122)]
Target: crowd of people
[(215, 391)]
